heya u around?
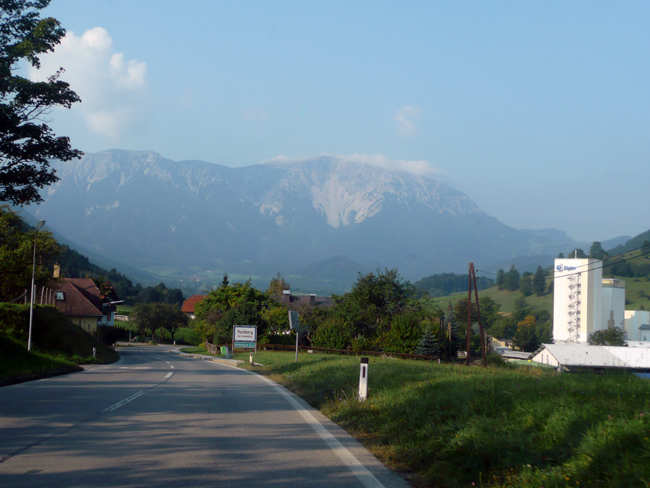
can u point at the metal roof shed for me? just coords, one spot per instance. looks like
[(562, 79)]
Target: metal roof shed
[(572, 356)]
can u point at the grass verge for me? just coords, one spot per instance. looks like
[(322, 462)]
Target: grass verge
[(194, 350), (18, 365), (450, 425)]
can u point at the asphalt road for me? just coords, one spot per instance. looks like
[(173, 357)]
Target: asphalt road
[(157, 418)]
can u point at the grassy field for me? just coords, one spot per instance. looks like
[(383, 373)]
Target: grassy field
[(637, 293), (504, 298), (451, 425)]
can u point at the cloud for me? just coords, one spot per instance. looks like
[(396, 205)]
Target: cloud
[(406, 117), (109, 85), (418, 167)]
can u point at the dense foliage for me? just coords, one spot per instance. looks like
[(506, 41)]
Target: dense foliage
[(16, 255), (614, 336)]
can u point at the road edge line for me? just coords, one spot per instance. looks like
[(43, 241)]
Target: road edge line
[(357, 468)]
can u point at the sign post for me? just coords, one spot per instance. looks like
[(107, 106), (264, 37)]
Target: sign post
[(294, 324), (244, 337)]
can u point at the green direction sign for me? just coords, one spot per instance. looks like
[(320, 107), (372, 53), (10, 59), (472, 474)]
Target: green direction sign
[(244, 345)]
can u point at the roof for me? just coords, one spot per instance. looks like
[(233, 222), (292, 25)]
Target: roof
[(190, 303), (511, 354), (307, 300), (583, 355), (82, 298)]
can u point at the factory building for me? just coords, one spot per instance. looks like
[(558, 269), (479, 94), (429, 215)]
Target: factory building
[(577, 305), (637, 325), (585, 302)]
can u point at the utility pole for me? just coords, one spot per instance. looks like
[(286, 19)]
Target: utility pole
[(471, 281)]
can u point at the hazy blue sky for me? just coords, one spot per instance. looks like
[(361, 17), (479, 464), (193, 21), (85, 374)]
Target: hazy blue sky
[(540, 111)]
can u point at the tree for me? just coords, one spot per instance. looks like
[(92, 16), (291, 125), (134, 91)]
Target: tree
[(228, 305), (150, 318), (596, 251), (16, 255), (511, 281), (27, 143), (428, 345), (373, 302), (539, 282), (501, 278), (645, 248), (577, 254), (277, 285), (614, 336), (526, 337), (526, 284)]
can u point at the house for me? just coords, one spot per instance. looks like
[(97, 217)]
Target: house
[(573, 356), (188, 305), (311, 300), (82, 302)]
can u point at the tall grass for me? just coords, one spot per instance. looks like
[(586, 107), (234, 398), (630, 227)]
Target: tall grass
[(452, 425)]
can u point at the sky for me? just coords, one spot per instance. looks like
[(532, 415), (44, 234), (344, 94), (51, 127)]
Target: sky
[(539, 111)]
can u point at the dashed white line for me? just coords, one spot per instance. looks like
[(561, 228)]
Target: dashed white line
[(121, 403)]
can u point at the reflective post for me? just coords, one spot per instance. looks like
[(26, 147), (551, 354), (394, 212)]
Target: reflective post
[(363, 380)]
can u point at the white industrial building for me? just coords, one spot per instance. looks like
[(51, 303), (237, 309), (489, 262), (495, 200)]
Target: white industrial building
[(637, 326), (585, 302), (578, 306)]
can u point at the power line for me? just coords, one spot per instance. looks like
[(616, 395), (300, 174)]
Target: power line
[(604, 265)]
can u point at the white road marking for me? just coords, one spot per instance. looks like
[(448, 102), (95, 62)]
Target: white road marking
[(362, 473), (129, 399), (171, 366), (121, 403)]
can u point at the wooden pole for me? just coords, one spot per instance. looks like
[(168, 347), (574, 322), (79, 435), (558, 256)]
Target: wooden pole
[(480, 324)]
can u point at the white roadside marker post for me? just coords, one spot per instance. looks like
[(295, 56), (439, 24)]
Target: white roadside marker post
[(94, 352), (363, 380), (250, 358)]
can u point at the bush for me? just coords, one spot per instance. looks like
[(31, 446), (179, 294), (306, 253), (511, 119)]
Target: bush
[(281, 339), (333, 334), (404, 334), (187, 335), (361, 343)]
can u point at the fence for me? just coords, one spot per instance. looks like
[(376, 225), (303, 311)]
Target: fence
[(42, 296), (401, 355)]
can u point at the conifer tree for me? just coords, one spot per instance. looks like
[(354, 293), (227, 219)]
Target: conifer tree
[(428, 345)]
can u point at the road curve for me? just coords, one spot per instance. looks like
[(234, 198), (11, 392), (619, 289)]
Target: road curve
[(160, 419)]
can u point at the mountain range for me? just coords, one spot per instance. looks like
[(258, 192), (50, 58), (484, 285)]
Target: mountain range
[(317, 221)]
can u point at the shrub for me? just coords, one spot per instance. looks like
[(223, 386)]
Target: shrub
[(187, 335), (333, 334), (404, 334)]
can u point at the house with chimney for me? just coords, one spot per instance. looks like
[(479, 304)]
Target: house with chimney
[(83, 303)]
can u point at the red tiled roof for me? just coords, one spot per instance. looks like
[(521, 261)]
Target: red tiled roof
[(188, 304), (81, 297)]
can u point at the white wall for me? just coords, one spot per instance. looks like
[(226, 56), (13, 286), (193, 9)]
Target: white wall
[(612, 298), (633, 320), (576, 299)]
